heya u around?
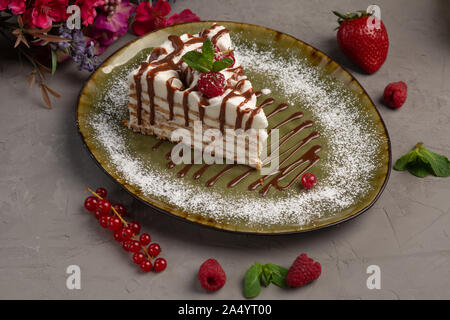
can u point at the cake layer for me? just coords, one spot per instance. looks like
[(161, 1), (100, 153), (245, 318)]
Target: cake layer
[(235, 147)]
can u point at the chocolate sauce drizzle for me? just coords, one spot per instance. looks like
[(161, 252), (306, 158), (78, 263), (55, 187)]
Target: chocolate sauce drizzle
[(138, 86), (157, 145), (310, 157), (218, 35)]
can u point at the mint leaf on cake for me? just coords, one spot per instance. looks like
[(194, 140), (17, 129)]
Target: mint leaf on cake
[(204, 61)]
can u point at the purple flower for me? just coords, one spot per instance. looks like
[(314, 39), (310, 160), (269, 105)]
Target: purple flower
[(107, 29), (79, 48)]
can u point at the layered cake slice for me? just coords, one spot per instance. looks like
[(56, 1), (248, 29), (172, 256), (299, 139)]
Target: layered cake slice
[(195, 79)]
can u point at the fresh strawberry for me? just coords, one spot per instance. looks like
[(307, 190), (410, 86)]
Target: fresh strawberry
[(363, 41)]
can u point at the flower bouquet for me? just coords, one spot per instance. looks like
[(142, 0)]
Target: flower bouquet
[(48, 32)]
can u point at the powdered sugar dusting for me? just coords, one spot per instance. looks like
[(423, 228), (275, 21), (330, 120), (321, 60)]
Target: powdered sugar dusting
[(348, 170)]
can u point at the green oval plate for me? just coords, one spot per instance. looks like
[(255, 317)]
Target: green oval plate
[(355, 156)]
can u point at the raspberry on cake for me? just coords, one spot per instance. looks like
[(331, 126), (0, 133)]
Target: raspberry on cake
[(167, 93)]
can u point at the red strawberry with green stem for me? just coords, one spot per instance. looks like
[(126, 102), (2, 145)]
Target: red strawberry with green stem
[(363, 41)]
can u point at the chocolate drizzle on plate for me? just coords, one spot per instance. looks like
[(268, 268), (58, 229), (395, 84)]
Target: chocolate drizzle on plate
[(290, 164), (157, 145)]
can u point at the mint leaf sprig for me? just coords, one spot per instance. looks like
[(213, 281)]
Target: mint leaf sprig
[(204, 61), (266, 274), (422, 162)]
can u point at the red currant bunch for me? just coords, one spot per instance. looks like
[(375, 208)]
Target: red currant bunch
[(127, 233)]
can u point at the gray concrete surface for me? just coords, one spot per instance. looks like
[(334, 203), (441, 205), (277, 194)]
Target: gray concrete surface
[(44, 170)]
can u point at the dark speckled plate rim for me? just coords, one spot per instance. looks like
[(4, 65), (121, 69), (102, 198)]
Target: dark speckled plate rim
[(158, 209)]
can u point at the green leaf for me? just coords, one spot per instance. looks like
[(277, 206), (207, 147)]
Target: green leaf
[(54, 61), (402, 162), (419, 169), (205, 63), (252, 282), (208, 50), (222, 64), (339, 15), (440, 165), (422, 162), (266, 275), (278, 274), (192, 58)]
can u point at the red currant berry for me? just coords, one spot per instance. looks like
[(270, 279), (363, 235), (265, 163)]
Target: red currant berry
[(126, 245), (120, 208), (308, 180), (90, 203), (101, 192), (146, 265), (118, 236), (145, 239), (104, 206), (135, 227), (114, 223), (160, 264), (134, 246), (138, 257), (126, 232), (104, 220), (97, 213), (154, 249)]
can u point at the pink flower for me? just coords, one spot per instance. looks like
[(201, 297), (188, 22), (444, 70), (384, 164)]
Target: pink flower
[(184, 16), (45, 12), (4, 4), (105, 30), (16, 6), (87, 8), (150, 18)]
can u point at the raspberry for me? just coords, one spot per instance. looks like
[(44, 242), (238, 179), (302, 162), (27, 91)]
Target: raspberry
[(303, 271), (211, 84), (211, 275), (219, 55), (395, 94)]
